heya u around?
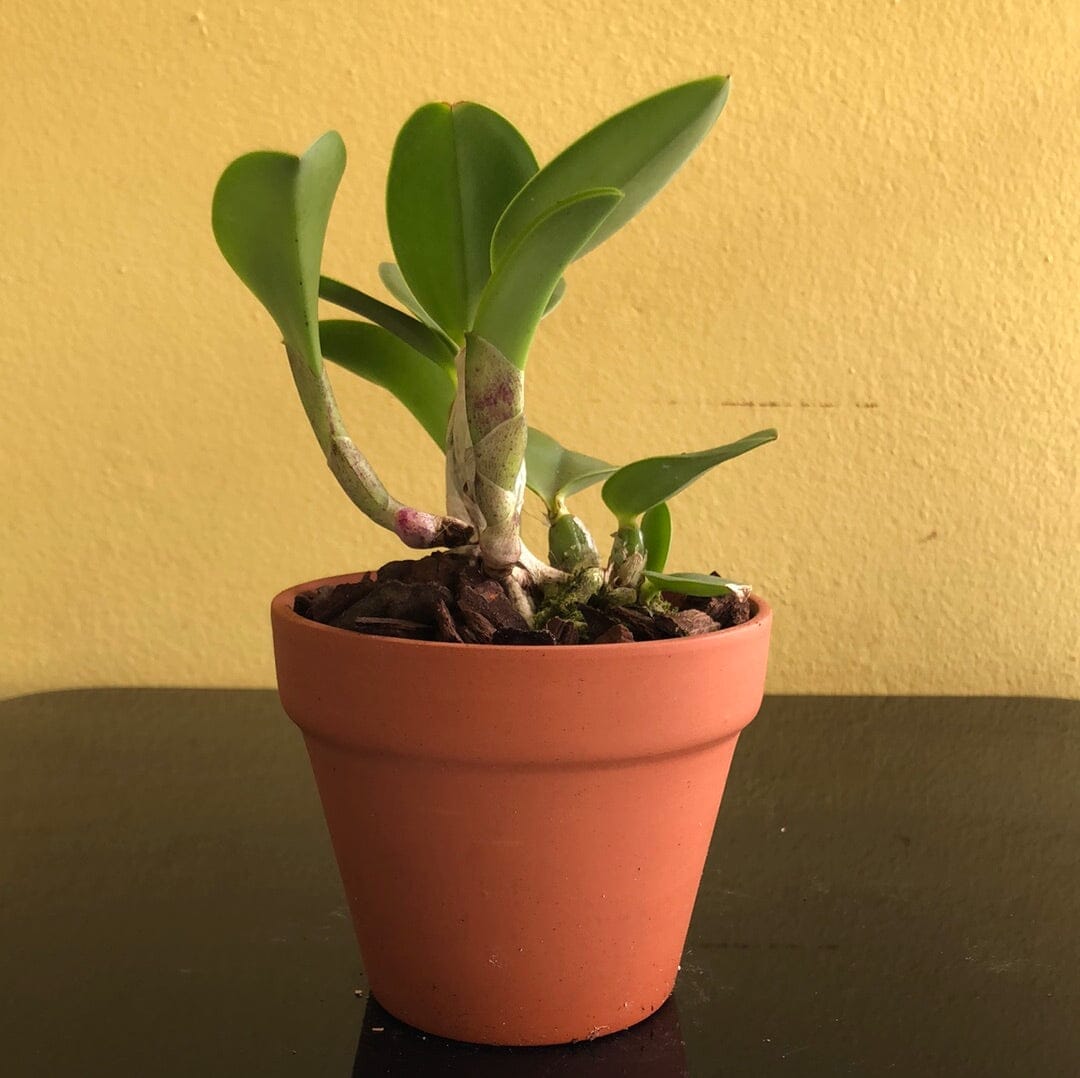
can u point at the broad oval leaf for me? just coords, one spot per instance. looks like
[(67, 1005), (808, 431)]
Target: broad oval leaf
[(656, 531), (635, 488), (637, 151), (454, 170), (554, 472), (521, 287), (698, 584), (415, 334), (380, 357), (269, 216)]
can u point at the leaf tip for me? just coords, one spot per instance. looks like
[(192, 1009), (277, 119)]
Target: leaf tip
[(328, 141)]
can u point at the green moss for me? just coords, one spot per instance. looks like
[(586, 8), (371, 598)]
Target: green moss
[(565, 600), (657, 604)]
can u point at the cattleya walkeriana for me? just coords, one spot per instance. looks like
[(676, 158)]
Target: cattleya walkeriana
[(482, 237)]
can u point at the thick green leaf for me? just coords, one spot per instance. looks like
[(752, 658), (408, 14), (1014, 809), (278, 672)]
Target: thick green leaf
[(269, 217), (521, 287), (635, 488), (415, 334), (637, 151), (380, 357), (555, 473), (453, 171), (697, 584), (396, 285), (556, 297), (656, 531)]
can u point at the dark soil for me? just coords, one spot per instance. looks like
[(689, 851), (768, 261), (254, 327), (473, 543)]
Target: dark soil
[(447, 597)]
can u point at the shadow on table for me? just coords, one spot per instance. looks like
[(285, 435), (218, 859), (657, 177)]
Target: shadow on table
[(651, 1049)]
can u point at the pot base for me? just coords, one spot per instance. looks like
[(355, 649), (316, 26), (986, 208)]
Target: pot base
[(498, 1037)]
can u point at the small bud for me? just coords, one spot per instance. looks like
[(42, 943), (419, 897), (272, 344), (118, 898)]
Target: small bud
[(422, 531)]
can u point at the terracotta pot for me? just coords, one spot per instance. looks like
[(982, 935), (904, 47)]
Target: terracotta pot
[(521, 831)]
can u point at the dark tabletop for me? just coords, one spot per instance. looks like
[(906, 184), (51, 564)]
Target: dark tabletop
[(893, 889)]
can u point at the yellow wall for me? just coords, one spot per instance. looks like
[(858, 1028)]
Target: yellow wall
[(876, 251)]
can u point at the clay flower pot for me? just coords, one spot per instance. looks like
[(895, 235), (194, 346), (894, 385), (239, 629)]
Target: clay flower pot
[(521, 831)]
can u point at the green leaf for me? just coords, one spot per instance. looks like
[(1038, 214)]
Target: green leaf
[(397, 286), (636, 488), (269, 216), (555, 473), (380, 357), (520, 288), (656, 530), (697, 584), (556, 297), (637, 151), (416, 335), (453, 171)]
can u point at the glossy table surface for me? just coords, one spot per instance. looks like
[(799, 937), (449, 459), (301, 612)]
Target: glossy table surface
[(893, 889)]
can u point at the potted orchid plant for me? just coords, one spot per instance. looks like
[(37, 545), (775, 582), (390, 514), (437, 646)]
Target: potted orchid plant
[(520, 757)]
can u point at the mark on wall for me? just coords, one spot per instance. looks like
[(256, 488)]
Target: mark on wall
[(790, 404)]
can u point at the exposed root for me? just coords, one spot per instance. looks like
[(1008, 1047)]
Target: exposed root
[(519, 595), (540, 572)]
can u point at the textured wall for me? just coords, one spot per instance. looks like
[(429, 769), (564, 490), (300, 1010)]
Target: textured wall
[(876, 251)]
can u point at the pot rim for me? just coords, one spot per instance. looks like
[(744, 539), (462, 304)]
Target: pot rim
[(281, 607)]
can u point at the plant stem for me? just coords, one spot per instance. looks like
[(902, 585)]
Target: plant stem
[(570, 546), (485, 450), (414, 527), (627, 564)]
